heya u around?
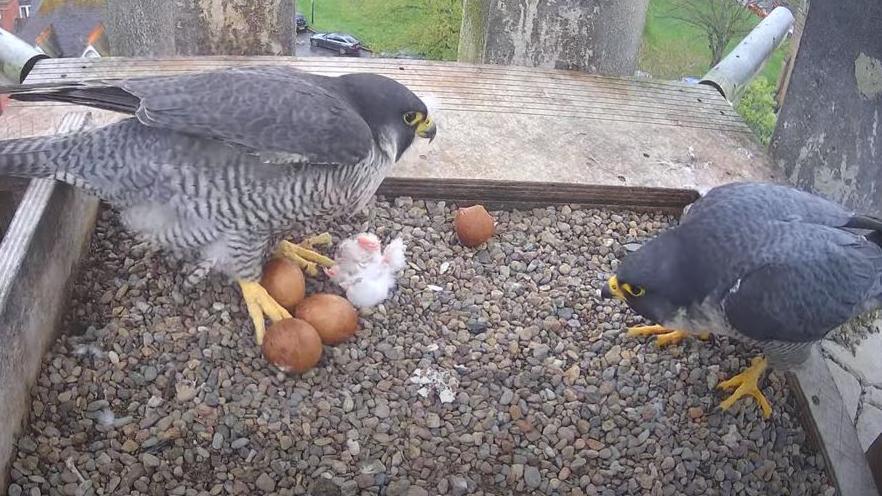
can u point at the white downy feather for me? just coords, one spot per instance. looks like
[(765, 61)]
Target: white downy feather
[(366, 273)]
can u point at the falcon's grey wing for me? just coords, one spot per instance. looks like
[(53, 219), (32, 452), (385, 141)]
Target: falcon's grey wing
[(770, 201), (279, 112), (804, 287)]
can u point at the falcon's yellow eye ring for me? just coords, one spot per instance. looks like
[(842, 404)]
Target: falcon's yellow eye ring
[(412, 118), (638, 292)]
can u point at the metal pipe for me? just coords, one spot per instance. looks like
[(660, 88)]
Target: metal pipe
[(732, 74), (17, 58)]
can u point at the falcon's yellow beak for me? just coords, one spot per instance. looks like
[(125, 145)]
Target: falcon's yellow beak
[(426, 129), (612, 289)]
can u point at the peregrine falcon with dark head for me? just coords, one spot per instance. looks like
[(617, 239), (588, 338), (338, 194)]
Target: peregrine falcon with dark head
[(221, 163), (763, 263)]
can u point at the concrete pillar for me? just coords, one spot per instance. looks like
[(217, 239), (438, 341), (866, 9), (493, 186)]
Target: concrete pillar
[(200, 27), (827, 137), (596, 36), (798, 27)]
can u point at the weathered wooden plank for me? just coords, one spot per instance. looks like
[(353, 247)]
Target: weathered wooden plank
[(347, 64), (38, 254), (561, 94), (683, 99), (526, 193), (525, 124), (832, 427)]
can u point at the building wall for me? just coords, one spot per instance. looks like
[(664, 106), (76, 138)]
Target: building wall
[(826, 139), (8, 14)]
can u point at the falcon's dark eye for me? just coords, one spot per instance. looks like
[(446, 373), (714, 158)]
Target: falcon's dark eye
[(634, 291), (411, 118)]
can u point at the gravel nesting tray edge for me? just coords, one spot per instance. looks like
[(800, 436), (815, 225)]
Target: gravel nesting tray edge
[(157, 387)]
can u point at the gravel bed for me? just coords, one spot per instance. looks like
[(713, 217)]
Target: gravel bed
[(157, 387)]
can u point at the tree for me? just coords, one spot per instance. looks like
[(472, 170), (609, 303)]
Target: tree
[(721, 20)]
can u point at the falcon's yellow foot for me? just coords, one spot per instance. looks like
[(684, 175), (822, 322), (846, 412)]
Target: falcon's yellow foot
[(665, 336), (304, 256), (261, 305), (746, 384), (648, 330)]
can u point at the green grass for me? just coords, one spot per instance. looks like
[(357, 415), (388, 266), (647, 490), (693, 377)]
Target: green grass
[(673, 49), (426, 27)]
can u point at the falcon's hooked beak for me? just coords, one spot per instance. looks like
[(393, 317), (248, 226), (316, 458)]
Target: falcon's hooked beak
[(612, 290), (426, 129)]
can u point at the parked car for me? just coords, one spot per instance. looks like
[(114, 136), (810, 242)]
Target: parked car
[(340, 42), (300, 22)]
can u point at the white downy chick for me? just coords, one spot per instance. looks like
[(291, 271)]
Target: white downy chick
[(366, 273), (352, 255), (393, 255)]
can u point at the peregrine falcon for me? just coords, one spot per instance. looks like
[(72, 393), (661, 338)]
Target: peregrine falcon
[(764, 263), (222, 163)]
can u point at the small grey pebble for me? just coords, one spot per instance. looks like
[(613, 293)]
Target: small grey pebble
[(27, 445), (265, 483), (459, 486), (477, 326), (324, 487), (398, 487), (150, 373), (433, 421), (532, 477), (382, 410), (417, 491), (541, 351), (365, 480), (149, 460)]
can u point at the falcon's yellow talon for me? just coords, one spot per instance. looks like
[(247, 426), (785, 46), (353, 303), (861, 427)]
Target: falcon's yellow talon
[(672, 337), (323, 239), (307, 259), (261, 305), (665, 336), (647, 330), (746, 384)]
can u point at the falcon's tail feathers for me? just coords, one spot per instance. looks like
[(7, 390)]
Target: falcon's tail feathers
[(875, 237), (869, 223), (29, 157), (865, 222), (99, 95)]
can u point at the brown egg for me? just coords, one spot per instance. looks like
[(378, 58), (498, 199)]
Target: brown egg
[(335, 319), (292, 345), (284, 281), (473, 225)]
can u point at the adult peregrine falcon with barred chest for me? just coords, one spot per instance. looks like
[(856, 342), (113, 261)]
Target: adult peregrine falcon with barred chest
[(222, 162), (764, 263)]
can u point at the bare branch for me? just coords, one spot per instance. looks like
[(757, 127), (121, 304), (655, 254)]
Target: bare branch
[(721, 20)]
